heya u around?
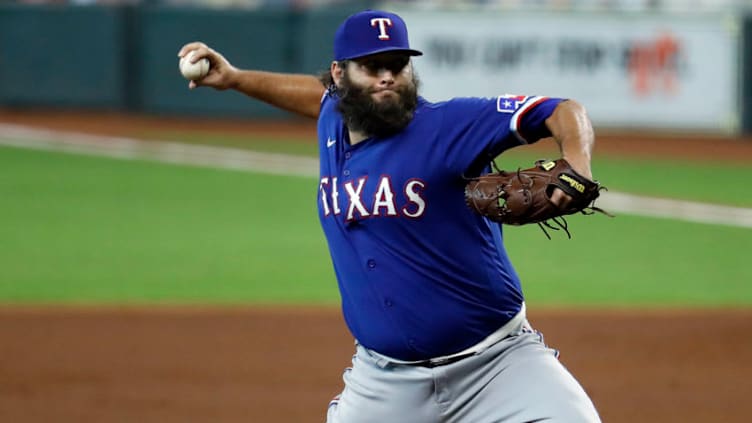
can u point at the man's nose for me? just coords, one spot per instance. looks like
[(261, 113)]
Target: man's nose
[(386, 76)]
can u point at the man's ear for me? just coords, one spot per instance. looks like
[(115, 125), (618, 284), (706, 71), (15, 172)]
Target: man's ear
[(337, 72)]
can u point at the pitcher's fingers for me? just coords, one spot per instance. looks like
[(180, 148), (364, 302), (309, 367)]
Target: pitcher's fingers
[(202, 52), (560, 198), (191, 46)]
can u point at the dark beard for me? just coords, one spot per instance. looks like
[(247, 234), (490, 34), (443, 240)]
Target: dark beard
[(380, 119)]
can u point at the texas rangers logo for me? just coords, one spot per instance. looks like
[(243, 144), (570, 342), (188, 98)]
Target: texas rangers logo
[(509, 103), (382, 23)]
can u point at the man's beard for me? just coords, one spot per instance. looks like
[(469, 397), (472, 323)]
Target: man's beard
[(381, 119)]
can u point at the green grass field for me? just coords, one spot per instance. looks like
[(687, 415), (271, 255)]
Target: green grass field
[(708, 182), (88, 229)]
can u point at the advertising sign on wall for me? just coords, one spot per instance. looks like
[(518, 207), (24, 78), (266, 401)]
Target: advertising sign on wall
[(632, 71)]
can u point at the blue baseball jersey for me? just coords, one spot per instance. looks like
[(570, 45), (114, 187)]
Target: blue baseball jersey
[(420, 274)]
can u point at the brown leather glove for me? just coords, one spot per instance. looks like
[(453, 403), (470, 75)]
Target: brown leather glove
[(524, 196)]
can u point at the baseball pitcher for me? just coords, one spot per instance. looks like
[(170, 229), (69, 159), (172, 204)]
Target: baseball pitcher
[(428, 290)]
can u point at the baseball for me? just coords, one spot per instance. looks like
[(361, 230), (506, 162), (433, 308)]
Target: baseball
[(193, 71)]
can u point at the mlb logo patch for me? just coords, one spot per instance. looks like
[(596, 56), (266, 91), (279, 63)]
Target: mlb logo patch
[(510, 103)]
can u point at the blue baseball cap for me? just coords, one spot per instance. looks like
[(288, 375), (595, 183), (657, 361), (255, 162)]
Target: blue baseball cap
[(371, 32)]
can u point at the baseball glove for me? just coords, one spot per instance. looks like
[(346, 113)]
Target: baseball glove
[(523, 196)]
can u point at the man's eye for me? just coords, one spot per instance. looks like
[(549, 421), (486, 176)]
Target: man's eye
[(395, 65)]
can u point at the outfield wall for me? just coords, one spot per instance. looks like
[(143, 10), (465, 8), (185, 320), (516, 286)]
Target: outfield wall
[(646, 71), (125, 58), (62, 57)]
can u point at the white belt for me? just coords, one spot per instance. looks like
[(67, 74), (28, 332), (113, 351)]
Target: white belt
[(515, 324)]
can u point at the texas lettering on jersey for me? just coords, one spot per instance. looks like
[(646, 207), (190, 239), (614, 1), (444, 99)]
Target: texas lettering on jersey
[(349, 197)]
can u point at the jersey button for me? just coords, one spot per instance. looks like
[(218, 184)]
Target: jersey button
[(348, 155), (346, 172), (388, 302), (371, 264)]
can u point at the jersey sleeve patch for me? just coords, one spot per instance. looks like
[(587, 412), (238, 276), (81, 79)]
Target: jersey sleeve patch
[(519, 113), (510, 103)]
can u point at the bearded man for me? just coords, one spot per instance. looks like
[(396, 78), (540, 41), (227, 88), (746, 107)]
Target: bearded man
[(428, 290)]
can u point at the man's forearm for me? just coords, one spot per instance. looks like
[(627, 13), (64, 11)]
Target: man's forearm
[(571, 128), (297, 93)]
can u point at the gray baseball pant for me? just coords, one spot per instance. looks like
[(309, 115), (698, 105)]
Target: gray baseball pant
[(517, 380)]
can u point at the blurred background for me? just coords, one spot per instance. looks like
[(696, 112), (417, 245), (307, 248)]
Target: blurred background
[(675, 64), (667, 84)]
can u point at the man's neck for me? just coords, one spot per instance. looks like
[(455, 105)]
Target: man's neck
[(356, 137)]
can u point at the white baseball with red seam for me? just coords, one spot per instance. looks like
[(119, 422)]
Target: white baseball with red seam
[(193, 71)]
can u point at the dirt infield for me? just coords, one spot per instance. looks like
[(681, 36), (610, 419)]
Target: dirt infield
[(279, 365)]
